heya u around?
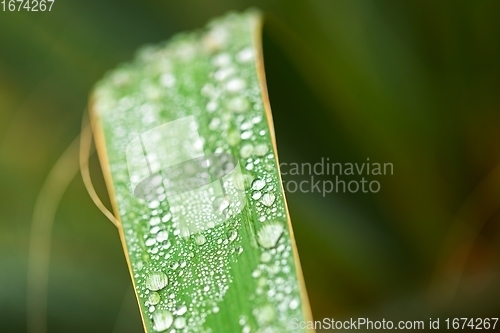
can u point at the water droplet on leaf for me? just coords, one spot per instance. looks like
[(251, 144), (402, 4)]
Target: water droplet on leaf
[(156, 281), (265, 257), (268, 199), (162, 320), (245, 55), (162, 236), (232, 235), (238, 104), (256, 195), (261, 149), (269, 234), (150, 242), (167, 80), (180, 322), (294, 303), (246, 150), (153, 298), (235, 85), (258, 184), (199, 239)]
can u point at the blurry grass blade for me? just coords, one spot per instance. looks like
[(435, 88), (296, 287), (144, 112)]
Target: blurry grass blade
[(47, 202), (186, 140)]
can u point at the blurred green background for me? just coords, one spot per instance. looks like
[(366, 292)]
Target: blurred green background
[(413, 83)]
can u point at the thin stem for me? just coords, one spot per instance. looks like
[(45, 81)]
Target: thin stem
[(85, 149)]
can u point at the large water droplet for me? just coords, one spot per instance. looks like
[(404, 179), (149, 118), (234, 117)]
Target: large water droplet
[(180, 323), (222, 59), (265, 314), (268, 199), (154, 204), (181, 311), (258, 184), (154, 221), (235, 85), (224, 73), (261, 149), (167, 80), (246, 150), (257, 119), (246, 125), (294, 303), (246, 135), (245, 55), (199, 239), (153, 298), (232, 235), (156, 281), (212, 106), (208, 89), (214, 123), (238, 104), (220, 205), (265, 257), (150, 242), (162, 320), (269, 234), (167, 217), (162, 236)]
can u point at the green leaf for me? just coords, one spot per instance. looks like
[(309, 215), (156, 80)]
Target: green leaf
[(186, 141)]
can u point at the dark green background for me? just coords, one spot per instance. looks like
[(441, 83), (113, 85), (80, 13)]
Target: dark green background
[(413, 83)]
